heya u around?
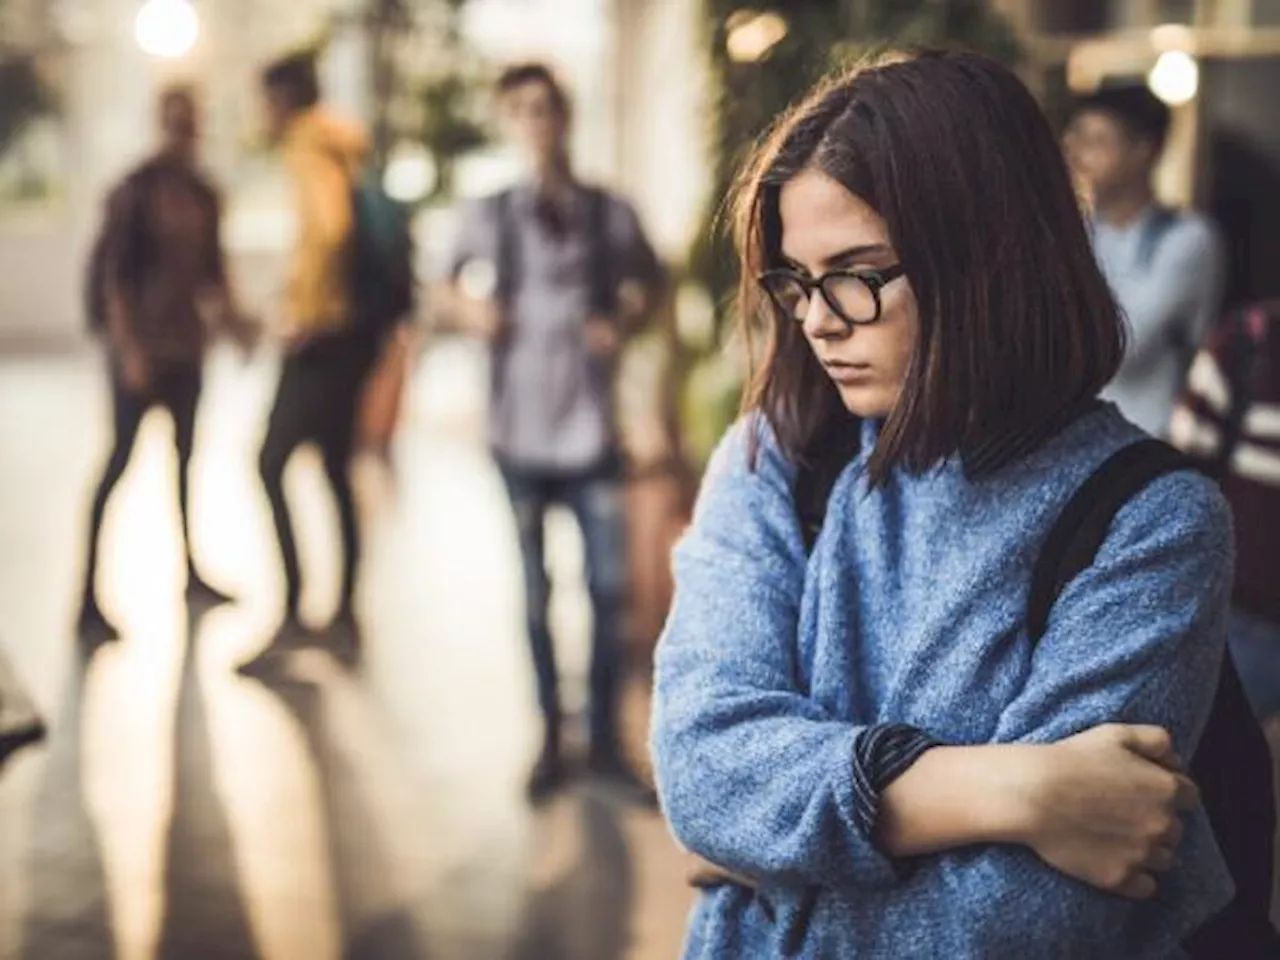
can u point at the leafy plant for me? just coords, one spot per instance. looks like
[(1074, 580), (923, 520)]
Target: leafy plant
[(425, 81), (24, 98)]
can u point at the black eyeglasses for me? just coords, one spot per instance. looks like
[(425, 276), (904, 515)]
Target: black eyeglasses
[(852, 295)]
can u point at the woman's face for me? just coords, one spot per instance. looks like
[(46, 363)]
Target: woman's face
[(824, 228)]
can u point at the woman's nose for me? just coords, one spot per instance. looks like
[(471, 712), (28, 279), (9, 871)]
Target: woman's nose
[(821, 322)]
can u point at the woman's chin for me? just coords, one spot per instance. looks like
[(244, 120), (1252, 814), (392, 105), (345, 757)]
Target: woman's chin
[(866, 401)]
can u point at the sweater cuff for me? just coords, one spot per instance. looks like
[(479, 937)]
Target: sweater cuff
[(881, 754)]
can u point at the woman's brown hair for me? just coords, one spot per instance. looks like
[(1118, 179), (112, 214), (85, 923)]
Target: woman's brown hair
[(1018, 330)]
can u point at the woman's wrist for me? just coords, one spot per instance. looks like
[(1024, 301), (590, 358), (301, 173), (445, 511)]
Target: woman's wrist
[(954, 797), (1018, 774)]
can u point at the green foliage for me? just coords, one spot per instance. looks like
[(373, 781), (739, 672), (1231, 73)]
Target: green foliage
[(419, 57), (449, 128), (24, 97)]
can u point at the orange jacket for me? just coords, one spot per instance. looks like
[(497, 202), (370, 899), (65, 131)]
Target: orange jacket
[(322, 154)]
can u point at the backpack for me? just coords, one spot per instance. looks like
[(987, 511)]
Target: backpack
[(1232, 765), (383, 281)]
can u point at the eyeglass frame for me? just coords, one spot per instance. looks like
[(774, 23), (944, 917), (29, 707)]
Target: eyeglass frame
[(875, 280)]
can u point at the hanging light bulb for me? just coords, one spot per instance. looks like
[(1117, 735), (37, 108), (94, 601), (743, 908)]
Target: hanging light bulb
[(1175, 78), (167, 29), (752, 35)]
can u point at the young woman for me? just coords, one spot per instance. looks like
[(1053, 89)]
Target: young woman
[(861, 737)]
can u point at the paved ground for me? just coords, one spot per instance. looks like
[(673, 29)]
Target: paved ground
[(181, 812)]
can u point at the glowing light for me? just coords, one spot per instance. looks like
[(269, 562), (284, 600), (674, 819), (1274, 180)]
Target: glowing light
[(167, 29), (411, 173), (751, 37), (1175, 78)]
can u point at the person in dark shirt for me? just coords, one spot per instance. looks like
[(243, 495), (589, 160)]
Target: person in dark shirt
[(164, 293)]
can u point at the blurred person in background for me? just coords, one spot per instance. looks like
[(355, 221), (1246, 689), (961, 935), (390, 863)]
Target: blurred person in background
[(157, 287), (1165, 267), (555, 276), (1229, 416), (326, 357)]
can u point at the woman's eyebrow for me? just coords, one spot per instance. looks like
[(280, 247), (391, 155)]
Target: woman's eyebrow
[(845, 257), (842, 258)]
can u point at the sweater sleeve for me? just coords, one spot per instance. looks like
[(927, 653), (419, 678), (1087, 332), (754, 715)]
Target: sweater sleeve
[(754, 776), (1137, 638)]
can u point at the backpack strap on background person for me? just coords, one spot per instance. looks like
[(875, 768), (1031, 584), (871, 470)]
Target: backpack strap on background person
[(601, 282), (507, 264), (1154, 229), (1157, 225)]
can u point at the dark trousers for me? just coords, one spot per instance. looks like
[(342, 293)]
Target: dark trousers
[(317, 401), (595, 499), (176, 387)]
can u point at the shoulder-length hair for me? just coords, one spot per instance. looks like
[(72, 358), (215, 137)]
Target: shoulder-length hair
[(1018, 330)]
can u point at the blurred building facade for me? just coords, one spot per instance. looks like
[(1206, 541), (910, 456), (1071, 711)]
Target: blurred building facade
[(639, 74)]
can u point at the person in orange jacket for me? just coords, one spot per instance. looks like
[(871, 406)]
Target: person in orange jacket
[(327, 359)]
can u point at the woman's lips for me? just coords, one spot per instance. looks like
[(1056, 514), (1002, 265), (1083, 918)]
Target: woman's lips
[(846, 373)]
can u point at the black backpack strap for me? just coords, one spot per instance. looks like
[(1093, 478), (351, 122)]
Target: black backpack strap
[(603, 286), (818, 471), (507, 264), (1082, 526)]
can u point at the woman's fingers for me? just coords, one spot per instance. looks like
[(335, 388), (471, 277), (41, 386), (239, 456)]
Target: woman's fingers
[(1171, 836), (1187, 797), (1140, 886), (1152, 743), (1161, 860)]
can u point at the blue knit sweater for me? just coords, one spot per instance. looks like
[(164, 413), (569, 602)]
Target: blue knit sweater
[(911, 609)]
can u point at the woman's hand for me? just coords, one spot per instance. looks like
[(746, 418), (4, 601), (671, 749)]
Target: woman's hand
[(1105, 807)]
